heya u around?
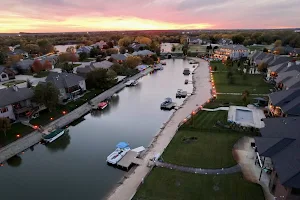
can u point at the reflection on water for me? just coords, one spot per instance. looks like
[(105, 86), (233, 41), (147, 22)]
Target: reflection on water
[(60, 144), (15, 161)]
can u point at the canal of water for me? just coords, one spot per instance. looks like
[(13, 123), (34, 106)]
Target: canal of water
[(74, 166)]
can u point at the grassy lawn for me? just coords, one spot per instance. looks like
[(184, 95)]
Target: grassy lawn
[(227, 100), (253, 83), (219, 66), (45, 116), (211, 149), (11, 134), (174, 185), (256, 47), (197, 48), (13, 82), (41, 74)]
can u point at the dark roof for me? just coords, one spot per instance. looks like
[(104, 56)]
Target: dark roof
[(281, 142), (279, 68), (118, 56), (9, 95), (24, 64), (280, 59), (84, 70), (63, 80), (287, 100), (2, 68)]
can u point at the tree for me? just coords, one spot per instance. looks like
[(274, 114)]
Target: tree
[(101, 79), (110, 44), (29, 84), (245, 96), (125, 42), (173, 48), (67, 57), (279, 50), (46, 94), (185, 49), (265, 49), (143, 40), (111, 75), (238, 39), (45, 46), (37, 66), (13, 59), (71, 49), (132, 62), (228, 62), (215, 47), (148, 60), (122, 50), (47, 65), (278, 43), (32, 48), (262, 67), (4, 124), (67, 67), (111, 51), (83, 56), (94, 52), (2, 58)]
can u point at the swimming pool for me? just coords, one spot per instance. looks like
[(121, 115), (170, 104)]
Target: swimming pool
[(244, 116)]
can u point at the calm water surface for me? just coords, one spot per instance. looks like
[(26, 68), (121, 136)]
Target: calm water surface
[(74, 166)]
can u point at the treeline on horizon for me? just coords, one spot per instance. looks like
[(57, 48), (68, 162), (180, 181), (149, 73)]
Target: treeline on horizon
[(245, 37)]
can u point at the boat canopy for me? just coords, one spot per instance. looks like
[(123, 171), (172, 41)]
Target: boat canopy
[(168, 99), (122, 145)]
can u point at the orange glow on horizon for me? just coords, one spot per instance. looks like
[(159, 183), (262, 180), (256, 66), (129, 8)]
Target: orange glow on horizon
[(13, 23)]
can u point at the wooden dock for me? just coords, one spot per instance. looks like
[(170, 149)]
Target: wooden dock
[(129, 159)]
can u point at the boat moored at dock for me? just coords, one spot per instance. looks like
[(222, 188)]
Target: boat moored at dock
[(168, 104), (53, 135), (181, 94), (186, 71), (118, 154), (131, 83)]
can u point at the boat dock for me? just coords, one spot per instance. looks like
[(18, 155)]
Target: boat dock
[(129, 159)]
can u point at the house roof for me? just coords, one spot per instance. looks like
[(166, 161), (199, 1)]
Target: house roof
[(103, 64), (9, 95), (63, 80), (84, 70), (279, 59), (119, 56), (234, 47), (2, 68), (254, 54), (143, 53), (281, 141), (279, 68), (24, 64), (85, 49)]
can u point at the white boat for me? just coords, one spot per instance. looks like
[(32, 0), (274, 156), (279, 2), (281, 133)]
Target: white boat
[(131, 83), (48, 138), (158, 67), (118, 154)]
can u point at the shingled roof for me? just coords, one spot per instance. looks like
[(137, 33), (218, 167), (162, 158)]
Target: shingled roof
[(281, 142), (14, 94), (63, 80)]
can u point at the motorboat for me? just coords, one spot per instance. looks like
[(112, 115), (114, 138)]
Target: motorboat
[(102, 105), (186, 71), (118, 154), (131, 83), (53, 135), (158, 67), (163, 62), (168, 104), (181, 94)]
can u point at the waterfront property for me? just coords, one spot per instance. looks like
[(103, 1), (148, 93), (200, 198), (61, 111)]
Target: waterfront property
[(278, 154), (16, 102), (285, 103), (70, 86), (235, 52)]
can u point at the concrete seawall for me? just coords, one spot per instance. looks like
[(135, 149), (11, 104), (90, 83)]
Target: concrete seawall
[(35, 137)]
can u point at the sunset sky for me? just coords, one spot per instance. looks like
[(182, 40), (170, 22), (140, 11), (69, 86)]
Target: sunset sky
[(97, 15)]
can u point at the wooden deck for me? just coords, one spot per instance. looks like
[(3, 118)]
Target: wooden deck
[(129, 159)]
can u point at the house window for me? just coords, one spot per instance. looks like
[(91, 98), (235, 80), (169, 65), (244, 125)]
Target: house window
[(3, 76), (4, 110)]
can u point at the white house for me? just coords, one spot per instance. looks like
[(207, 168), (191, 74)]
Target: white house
[(235, 52), (6, 74)]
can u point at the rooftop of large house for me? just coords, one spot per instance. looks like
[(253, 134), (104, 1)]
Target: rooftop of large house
[(63, 80), (235, 47), (290, 79), (143, 53), (119, 56), (14, 94), (281, 142), (287, 100), (102, 65)]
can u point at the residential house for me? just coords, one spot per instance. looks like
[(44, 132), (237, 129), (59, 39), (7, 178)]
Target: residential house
[(137, 46), (194, 40), (16, 102), (225, 41), (83, 71), (285, 103), (235, 52), (6, 74), (102, 65), (84, 49), (280, 143), (120, 58), (273, 71), (143, 53), (70, 86), (23, 66), (295, 52), (99, 45), (18, 52)]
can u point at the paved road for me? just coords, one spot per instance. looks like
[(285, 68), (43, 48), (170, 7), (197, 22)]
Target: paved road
[(33, 138), (229, 170)]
